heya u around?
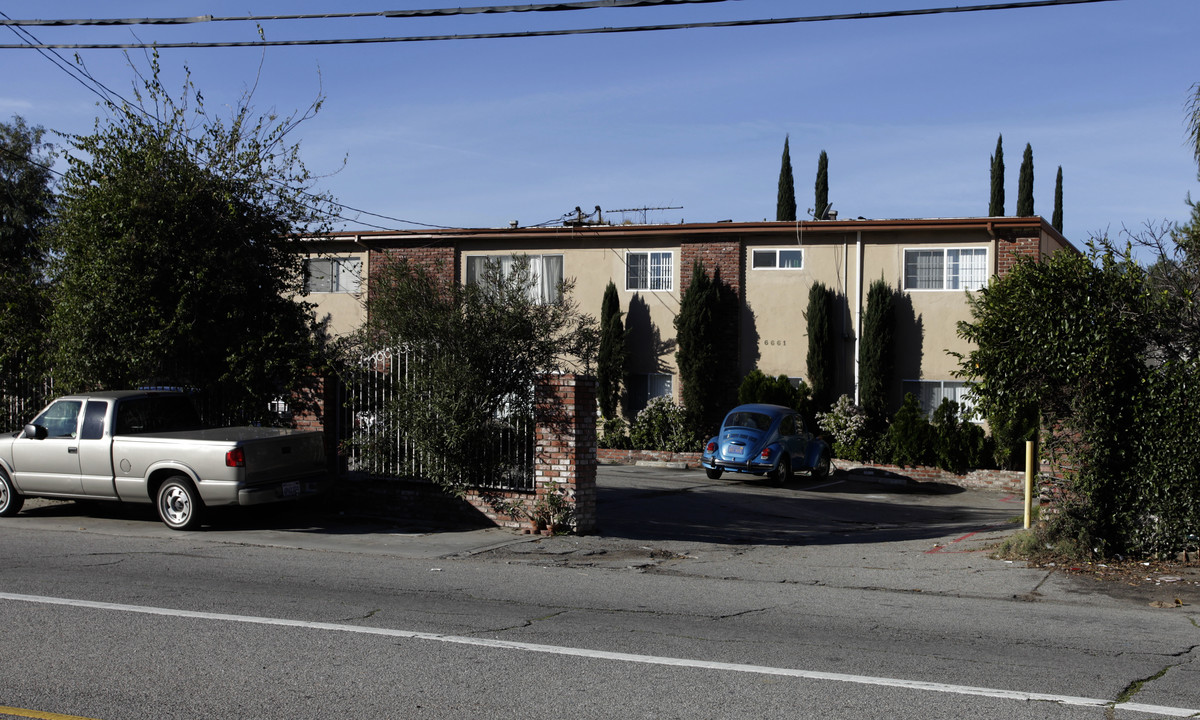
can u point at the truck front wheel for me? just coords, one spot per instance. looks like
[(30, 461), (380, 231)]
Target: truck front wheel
[(10, 500), (178, 504)]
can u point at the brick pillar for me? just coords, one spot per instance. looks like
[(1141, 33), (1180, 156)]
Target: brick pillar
[(565, 455), (309, 413)]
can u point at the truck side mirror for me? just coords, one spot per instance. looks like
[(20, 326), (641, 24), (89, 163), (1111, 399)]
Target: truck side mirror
[(36, 432)]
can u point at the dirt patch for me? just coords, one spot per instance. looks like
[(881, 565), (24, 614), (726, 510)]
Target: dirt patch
[(1158, 584)]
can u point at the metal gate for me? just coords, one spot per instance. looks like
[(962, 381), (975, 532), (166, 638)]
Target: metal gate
[(372, 385)]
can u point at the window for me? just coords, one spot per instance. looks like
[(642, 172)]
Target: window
[(156, 413), (787, 426), (649, 270), (545, 272), (93, 420), (931, 393), (946, 269), (645, 388), (60, 419), (781, 259), (332, 275)]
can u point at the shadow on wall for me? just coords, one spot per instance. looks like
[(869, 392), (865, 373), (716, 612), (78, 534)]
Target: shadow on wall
[(647, 349), (909, 338), (648, 353), (750, 341)]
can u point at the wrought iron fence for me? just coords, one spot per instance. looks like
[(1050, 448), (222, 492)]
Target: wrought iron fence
[(21, 399), (371, 389)]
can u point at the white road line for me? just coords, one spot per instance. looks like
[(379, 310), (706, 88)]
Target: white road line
[(615, 656)]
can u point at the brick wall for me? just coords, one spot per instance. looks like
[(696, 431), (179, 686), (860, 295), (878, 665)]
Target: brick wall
[(440, 259), (725, 255), (1014, 245)]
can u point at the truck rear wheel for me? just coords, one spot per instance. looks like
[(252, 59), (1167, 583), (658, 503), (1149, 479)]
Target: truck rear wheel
[(178, 504), (10, 500)]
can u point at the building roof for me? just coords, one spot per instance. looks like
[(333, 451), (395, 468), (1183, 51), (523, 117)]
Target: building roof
[(991, 225)]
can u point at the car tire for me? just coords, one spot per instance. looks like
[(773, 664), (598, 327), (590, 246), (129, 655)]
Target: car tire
[(713, 473), (783, 471), (11, 501), (178, 504), (823, 466)]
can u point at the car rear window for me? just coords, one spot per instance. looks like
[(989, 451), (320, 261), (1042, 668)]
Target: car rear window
[(752, 420), (166, 413)]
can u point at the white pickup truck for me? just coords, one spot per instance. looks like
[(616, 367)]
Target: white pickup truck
[(148, 447)]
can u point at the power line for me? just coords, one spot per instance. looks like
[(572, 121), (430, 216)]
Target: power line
[(558, 33), (426, 12)]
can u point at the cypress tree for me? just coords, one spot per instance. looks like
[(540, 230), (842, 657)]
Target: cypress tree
[(706, 338), (819, 317), (1025, 184), (785, 203), (1056, 220), (821, 199), (876, 352), (610, 361), (996, 205)]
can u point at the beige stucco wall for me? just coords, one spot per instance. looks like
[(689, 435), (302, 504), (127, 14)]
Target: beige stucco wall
[(650, 315), (776, 340), (341, 313)]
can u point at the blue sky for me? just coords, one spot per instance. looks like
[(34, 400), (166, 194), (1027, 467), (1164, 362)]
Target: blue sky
[(478, 133)]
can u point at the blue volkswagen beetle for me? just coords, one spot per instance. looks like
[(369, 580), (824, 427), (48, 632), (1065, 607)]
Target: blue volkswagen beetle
[(765, 440)]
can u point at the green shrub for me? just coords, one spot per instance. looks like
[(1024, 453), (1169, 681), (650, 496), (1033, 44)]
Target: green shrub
[(663, 425), (959, 444), (910, 436), (612, 433), (758, 387), (848, 427)]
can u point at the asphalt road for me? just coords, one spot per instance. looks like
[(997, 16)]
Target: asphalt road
[(698, 598)]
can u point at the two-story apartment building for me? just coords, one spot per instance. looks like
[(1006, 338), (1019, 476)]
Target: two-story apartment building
[(933, 263)]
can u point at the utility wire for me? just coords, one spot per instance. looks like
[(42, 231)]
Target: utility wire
[(556, 33), (426, 12), (81, 75)]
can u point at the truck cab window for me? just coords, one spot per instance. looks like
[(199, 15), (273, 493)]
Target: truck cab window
[(93, 420), (61, 419)]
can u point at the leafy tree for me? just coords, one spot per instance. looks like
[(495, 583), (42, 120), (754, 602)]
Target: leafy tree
[(1025, 184), (706, 333), (26, 195), (821, 190), (876, 350), (1068, 336), (26, 204), (785, 202), (758, 387), (612, 357), (176, 255), (821, 357), (996, 204), (1056, 220), (474, 355), (1193, 121)]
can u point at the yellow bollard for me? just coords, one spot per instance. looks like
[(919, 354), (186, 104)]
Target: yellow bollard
[(1029, 458)]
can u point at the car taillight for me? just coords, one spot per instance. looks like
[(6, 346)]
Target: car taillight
[(711, 448), (765, 454), (235, 458)]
